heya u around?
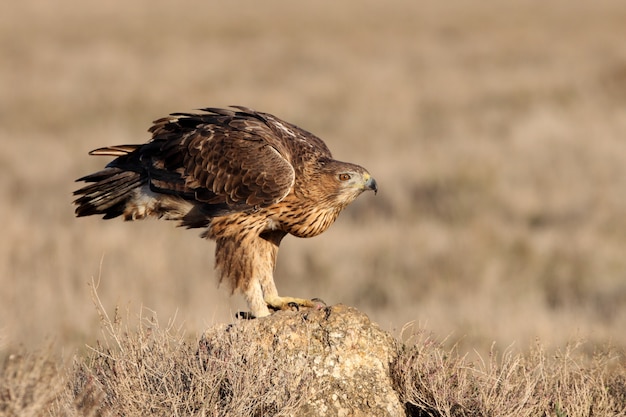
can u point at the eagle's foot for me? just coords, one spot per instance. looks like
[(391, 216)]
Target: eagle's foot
[(244, 315), (293, 304)]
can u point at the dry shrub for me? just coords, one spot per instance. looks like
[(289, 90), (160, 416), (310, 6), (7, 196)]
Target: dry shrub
[(251, 382), (30, 383), (435, 381), (431, 380), (151, 371), (494, 128), (156, 371)]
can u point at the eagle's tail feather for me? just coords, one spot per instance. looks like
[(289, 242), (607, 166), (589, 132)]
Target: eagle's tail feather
[(117, 150), (129, 188), (109, 192)]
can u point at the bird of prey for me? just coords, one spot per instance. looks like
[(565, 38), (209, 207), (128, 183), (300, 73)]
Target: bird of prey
[(246, 177)]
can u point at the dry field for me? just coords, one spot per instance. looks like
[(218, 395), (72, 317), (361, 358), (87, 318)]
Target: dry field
[(495, 130), (159, 371)]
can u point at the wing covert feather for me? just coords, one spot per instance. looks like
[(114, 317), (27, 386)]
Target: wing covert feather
[(237, 165)]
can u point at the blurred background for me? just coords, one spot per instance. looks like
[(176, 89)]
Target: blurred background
[(495, 131)]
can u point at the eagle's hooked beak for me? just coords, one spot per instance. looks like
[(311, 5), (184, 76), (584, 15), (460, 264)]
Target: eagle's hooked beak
[(370, 184)]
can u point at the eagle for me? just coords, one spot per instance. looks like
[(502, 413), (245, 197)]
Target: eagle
[(248, 178)]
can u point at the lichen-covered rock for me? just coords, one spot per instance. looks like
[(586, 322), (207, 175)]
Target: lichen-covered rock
[(328, 362)]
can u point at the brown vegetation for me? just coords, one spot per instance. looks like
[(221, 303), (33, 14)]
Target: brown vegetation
[(434, 380), (153, 370)]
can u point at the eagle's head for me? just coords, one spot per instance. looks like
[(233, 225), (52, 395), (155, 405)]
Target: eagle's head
[(344, 182)]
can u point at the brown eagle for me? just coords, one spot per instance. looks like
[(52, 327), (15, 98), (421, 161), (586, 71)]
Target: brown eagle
[(248, 177)]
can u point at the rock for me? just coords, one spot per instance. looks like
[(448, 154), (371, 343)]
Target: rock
[(328, 362)]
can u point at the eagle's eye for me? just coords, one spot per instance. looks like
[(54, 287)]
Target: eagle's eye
[(344, 177)]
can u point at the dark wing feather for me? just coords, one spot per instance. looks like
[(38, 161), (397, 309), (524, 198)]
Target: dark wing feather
[(226, 156)]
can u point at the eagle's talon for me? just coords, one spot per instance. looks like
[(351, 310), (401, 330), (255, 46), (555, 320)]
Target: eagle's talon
[(293, 304), (244, 315), (318, 303)]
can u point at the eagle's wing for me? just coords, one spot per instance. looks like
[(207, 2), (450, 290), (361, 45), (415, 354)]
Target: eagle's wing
[(225, 156)]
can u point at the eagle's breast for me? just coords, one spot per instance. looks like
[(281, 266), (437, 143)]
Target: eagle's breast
[(305, 219)]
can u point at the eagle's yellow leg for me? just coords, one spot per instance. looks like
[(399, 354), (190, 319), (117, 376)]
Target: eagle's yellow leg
[(288, 303)]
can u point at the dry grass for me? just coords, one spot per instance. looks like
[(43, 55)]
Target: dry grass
[(437, 381), (495, 130), (159, 371), (150, 370), (30, 383), (156, 371)]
